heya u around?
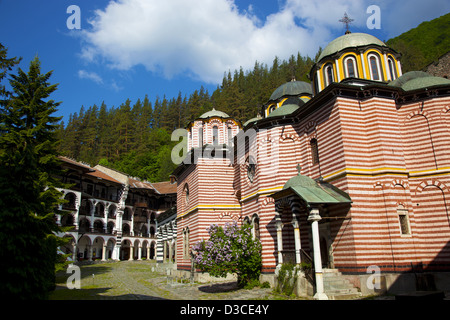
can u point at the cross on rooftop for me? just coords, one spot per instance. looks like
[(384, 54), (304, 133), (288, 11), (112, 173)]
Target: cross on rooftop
[(346, 20)]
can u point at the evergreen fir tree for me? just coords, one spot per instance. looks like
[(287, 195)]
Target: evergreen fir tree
[(28, 195)]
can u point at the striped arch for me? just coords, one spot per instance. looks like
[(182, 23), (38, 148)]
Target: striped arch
[(215, 121), (228, 216), (292, 136), (402, 183), (418, 112), (431, 182)]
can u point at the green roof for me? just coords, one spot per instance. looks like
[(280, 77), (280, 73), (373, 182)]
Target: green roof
[(348, 41), (214, 113), (414, 80), (284, 110), (292, 88), (250, 121), (313, 192)]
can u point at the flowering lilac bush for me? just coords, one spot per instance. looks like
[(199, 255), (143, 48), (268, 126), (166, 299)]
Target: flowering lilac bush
[(229, 250)]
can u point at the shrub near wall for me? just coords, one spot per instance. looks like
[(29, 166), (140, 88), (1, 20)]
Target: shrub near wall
[(230, 249)]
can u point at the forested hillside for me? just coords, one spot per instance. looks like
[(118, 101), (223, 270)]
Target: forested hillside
[(423, 45), (135, 136)]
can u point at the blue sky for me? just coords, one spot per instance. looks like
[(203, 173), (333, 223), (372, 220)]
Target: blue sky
[(132, 48)]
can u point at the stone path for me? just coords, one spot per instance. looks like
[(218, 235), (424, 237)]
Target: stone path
[(135, 280)]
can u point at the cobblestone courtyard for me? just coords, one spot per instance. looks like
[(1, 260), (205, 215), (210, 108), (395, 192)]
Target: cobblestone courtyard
[(135, 280)]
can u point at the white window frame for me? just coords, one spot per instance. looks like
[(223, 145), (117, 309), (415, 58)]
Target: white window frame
[(391, 68), (355, 66), (378, 65), (325, 74)]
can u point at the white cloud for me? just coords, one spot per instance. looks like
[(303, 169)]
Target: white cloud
[(83, 74), (204, 38)]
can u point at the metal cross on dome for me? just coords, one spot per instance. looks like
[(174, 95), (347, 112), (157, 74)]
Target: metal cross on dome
[(346, 20)]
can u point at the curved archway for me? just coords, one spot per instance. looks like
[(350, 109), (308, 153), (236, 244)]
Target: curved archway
[(152, 250), (110, 227), (71, 199), (99, 226), (125, 249), (126, 230), (83, 252), (112, 209), (84, 225), (67, 220)]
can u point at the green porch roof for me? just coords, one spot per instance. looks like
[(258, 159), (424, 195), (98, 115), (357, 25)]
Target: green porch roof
[(313, 192)]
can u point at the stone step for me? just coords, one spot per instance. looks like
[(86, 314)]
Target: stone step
[(344, 296), (337, 287)]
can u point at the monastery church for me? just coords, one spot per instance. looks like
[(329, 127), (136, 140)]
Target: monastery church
[(350, 173)]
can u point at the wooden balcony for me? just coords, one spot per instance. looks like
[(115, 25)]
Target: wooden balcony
[(141, 205)]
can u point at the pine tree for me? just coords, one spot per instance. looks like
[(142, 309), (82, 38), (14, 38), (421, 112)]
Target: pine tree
[(5, 66), (28, 195)]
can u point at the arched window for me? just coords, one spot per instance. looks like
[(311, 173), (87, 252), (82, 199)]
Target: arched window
[(272, 108), (110, 227), (375, 71), (84, 225), (314, 151), (99, 210), (251, 168), (98, 226), (186, 243), (215, 135), (255, 231), (125, 229), (230, 134), (186, 193), (329, 74), (392, 71), (200, 137), (351, 70), (112, 211), (403, 219), (71, 201)]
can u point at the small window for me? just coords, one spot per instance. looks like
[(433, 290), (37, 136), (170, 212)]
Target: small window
[(200, 137), (350, 67), (186, 193), (251, 168), (186, 252), (314, 151), (215, 135), (256, 234), (403, 220), (230, 135), (391, 66), (272, 108), (329, 74), (374, 67)]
